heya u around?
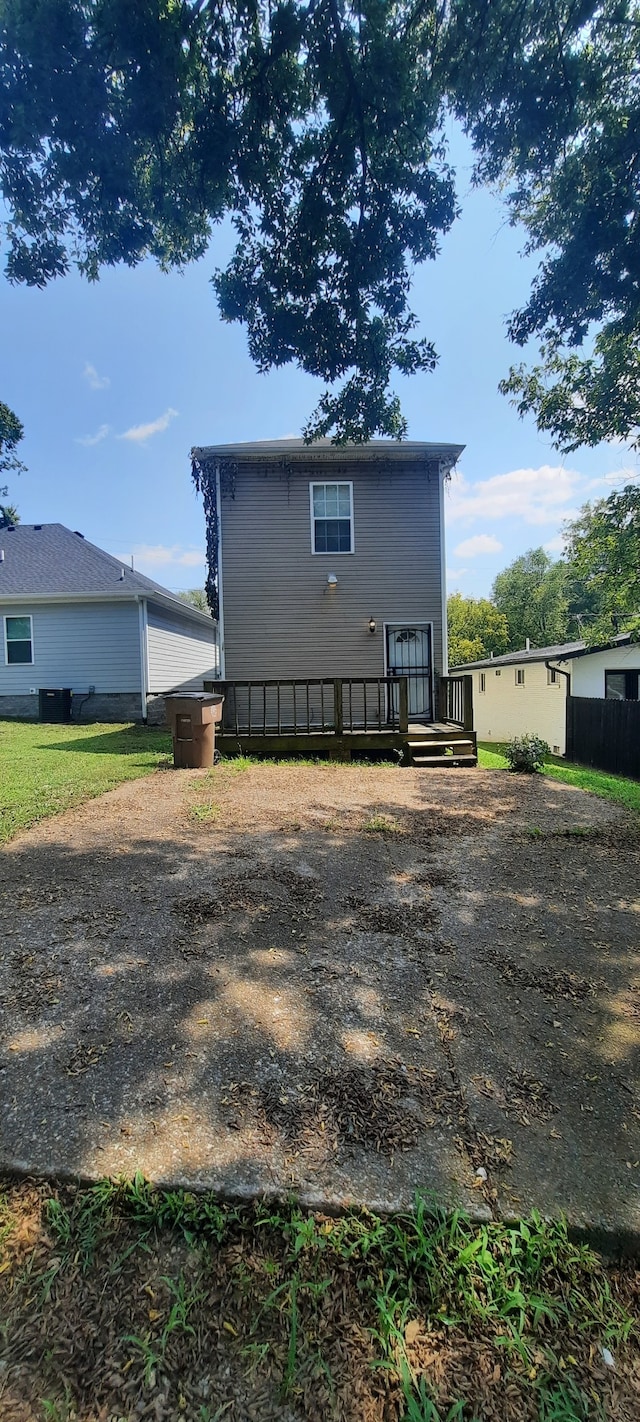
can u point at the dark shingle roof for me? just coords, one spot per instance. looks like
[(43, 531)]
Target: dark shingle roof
[(563, 651), (49, 560)]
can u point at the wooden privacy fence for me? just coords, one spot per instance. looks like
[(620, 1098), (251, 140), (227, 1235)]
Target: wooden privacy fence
[(604, 734)]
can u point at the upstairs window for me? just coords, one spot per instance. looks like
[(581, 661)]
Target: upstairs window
[(332, 518), (483, 681), (553, 677), (18, 641), (519, 676)]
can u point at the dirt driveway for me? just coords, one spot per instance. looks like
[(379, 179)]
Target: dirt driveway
[(352, 983)]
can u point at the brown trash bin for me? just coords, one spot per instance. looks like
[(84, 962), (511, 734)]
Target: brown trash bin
[(192, 717)]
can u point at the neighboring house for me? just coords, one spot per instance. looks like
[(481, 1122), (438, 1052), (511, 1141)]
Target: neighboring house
[(526, 690), (74, 617), (329, 560)]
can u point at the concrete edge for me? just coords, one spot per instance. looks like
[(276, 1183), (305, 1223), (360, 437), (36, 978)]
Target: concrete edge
[(613, 1242)]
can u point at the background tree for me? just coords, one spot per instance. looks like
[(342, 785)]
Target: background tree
[(532, 595), (196, 597), (476, 629), (11, 432), (131, 130), (553, 108), (603, 553), (319, 126)]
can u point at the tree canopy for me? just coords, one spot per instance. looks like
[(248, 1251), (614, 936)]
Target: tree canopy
[(11, 432), (554, 111), (476, 629), (129, 131), (196, 597), (603, 552), (532, 595)]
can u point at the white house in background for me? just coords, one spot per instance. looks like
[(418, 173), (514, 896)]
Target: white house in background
[(526, 691), (72, 617)]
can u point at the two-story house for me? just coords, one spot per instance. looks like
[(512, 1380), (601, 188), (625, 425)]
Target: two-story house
[(327, 575)]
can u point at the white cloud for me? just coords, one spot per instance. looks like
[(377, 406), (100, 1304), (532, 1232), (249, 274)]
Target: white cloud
[(139, 433), (533, 496), (453, 573), (555, 545), (97, 438), (97, 382), (480, 543), (150, 556)]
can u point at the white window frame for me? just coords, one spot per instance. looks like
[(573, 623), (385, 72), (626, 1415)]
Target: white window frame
[(7, 616), (519, 676), (553, 677), (322, 484)]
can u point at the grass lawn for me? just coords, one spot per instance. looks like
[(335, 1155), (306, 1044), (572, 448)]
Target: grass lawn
[(119, 1301), (44, 769), (610, 787)]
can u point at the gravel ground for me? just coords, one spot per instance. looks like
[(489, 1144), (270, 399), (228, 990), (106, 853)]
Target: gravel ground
[(347, 982)]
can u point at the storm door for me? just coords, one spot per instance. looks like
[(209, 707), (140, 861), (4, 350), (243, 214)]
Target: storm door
[(409, 654)]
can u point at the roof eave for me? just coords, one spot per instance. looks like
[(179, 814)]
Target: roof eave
[(410, 450), (623, 640), (568, 653)]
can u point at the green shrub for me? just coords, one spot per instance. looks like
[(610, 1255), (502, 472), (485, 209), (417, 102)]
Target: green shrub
[(527, 753)]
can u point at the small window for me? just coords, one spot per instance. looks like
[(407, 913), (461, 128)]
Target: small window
[(621, 685), (498, 671), (331, 518), (553, 677), (18, 638), (519, 676), (483, 681)]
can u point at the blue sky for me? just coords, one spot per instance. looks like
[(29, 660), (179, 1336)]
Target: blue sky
[(114, 382)]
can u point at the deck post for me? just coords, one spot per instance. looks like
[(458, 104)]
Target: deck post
[(403, 720), (337, 707), (442, 698), (467, 712)]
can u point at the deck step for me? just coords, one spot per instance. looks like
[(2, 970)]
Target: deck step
[(441, 741), (470, 759)]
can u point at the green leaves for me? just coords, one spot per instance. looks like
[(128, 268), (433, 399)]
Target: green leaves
[(11, 432), (316, 125), (319, 127), (603, 549), (555, 115), (476, 629), (532, 595)]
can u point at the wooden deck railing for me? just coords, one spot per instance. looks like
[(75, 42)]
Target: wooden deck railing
[(456, 701), (314, 706)]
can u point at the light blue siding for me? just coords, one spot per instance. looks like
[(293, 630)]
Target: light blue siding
[(78, 645), (181, 652)]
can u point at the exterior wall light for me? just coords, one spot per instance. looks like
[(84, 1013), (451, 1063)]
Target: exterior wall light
[(372, 626), (332, 581)]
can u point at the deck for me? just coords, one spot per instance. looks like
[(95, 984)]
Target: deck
[(345, 717)]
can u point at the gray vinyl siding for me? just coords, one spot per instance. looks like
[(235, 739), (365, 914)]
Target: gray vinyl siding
[(77, 645), (280, 619), (181, 653)]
